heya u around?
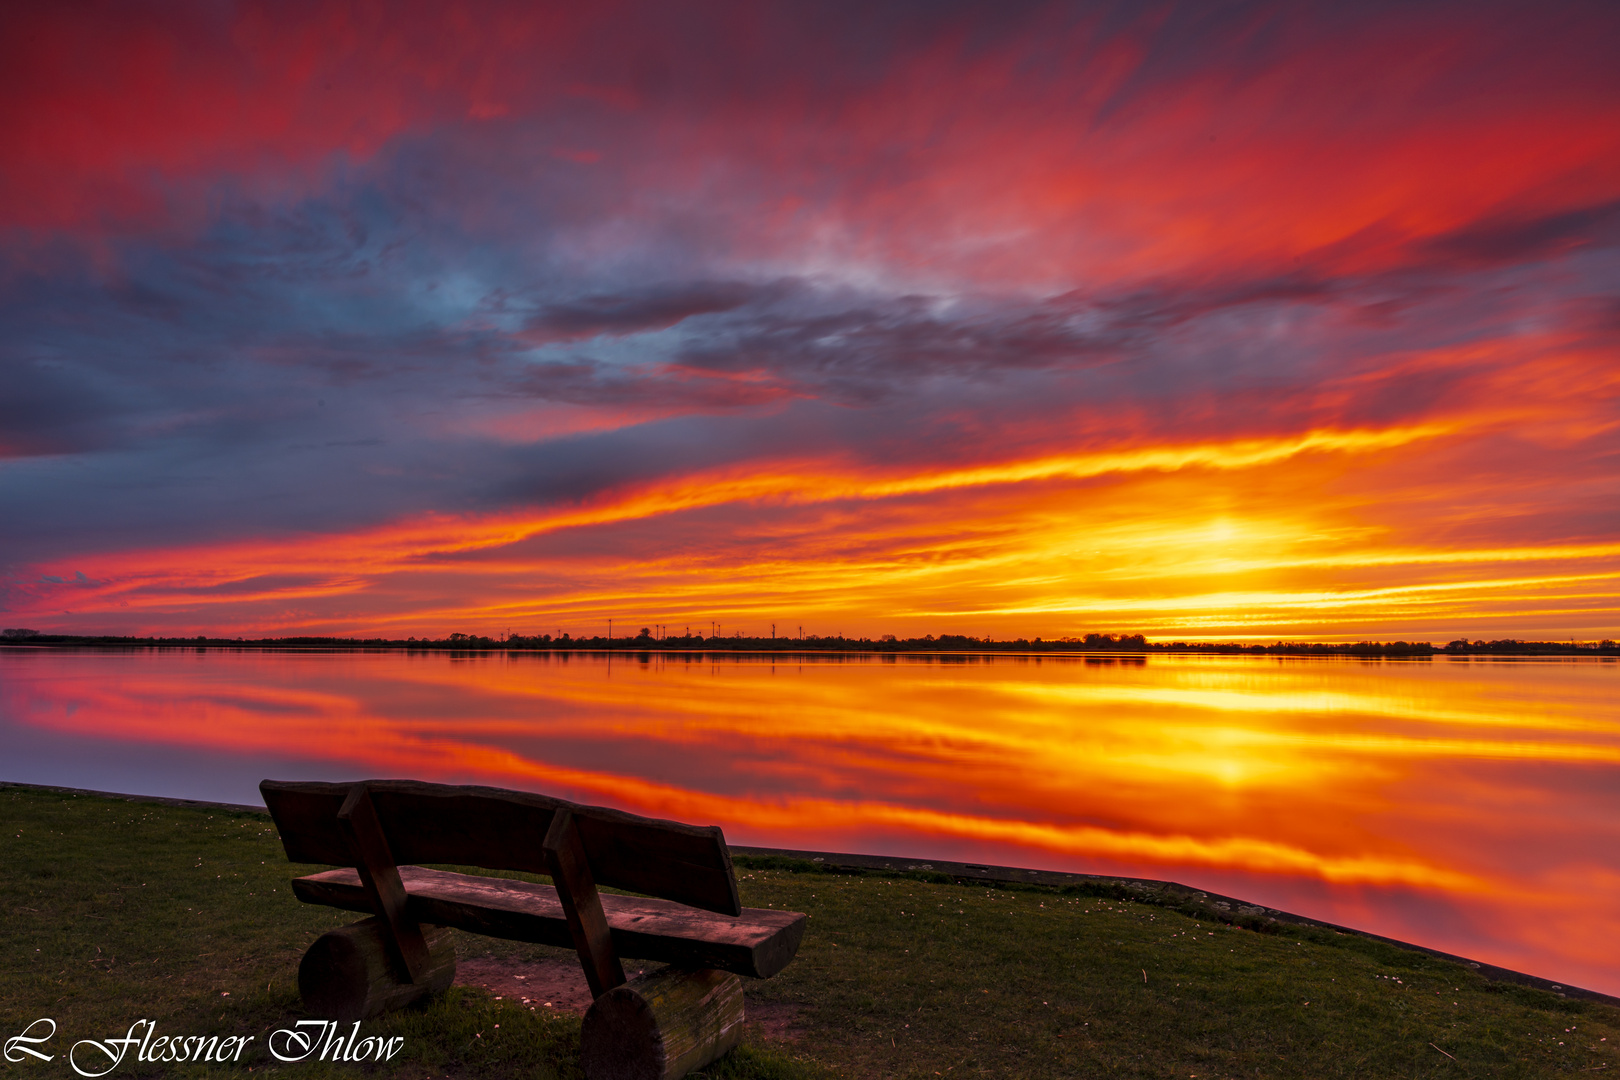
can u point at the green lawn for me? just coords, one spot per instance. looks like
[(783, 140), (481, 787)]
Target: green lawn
[(118, 911)]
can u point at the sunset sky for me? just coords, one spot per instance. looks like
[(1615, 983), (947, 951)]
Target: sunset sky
[(1205, 321)]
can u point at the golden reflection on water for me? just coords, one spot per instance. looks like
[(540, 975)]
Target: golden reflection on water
[(1469, 805)]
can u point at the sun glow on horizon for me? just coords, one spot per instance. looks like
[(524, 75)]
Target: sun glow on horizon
[(865, 551)]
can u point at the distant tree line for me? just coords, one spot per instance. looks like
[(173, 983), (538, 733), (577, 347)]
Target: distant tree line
[(1514, 647), (648, 641)]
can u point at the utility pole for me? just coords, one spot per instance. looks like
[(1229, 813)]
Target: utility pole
[(610, 632)]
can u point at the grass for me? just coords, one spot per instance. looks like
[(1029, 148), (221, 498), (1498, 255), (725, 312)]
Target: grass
[(118, 911)]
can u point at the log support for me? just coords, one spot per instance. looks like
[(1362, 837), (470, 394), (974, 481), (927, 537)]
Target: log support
[(351, 973), (662, 1025)]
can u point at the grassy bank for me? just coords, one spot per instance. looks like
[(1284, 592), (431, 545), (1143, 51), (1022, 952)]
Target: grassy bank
[(118, 911)]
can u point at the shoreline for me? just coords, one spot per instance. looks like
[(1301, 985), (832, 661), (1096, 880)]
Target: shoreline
[(778, 648), (1196, 902)]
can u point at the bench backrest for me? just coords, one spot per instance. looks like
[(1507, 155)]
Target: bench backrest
[(503, 830)]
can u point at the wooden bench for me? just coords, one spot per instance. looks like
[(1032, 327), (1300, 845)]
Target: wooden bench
[(663, 1024)]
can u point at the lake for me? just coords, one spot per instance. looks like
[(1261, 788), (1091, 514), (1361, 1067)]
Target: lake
[(1469, 805)]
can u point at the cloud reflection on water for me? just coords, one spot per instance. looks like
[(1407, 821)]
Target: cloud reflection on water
[(1468, 805)]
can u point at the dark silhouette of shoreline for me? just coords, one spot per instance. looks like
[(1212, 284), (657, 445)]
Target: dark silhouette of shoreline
[(1120, 647)]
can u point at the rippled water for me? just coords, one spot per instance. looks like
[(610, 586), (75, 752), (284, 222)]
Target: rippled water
[(1470, 805)]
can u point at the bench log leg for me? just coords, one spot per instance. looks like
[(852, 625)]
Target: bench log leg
[(349, 973), (662, 1025)]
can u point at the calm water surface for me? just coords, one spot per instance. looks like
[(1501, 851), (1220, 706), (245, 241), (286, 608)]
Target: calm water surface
[(1470, 805)]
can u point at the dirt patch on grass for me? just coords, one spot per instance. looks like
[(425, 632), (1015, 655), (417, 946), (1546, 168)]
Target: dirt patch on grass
[(777, 1020), (544, 984), (558, 984)]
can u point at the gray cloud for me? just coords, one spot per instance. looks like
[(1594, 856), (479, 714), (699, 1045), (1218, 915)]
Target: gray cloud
[(656, 307)]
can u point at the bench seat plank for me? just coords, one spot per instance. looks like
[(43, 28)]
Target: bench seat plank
[(759, 943)]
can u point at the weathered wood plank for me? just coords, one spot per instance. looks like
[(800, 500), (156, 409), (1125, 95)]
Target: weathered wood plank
[(757, 944), (504, 830), (582, 904)]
